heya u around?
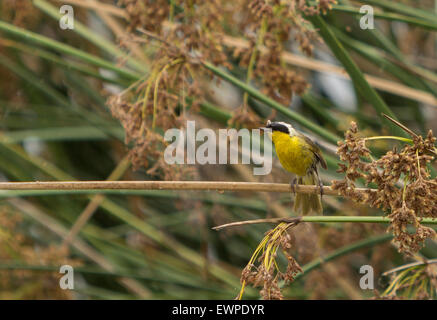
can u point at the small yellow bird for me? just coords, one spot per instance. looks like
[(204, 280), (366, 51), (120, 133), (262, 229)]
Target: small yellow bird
[(298, 154)]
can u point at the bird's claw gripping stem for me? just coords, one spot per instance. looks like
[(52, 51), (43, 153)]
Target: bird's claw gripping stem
[(321, 189), (293, 185)]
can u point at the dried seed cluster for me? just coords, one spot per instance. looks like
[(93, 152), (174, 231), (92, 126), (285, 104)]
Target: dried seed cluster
[(20, 12), (267, 273), (416, 282), (405, 190), (271, 24)]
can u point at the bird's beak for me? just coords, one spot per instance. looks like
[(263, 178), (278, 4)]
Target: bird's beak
[(266, 128)]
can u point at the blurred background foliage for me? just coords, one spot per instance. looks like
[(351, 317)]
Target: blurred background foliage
[(88, 103)]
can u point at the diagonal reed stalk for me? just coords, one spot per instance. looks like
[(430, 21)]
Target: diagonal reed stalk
[(66, 49), (272, 103), (96, 201), (36, 214), (354, 72)]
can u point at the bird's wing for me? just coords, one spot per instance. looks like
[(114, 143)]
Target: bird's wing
[(316, 150)]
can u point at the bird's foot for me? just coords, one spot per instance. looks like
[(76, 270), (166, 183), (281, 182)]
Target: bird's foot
[(321, 188), (293, 183)]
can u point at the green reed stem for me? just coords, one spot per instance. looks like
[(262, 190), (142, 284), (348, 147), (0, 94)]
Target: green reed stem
[(343, 251), (272, 103), (60, 47)]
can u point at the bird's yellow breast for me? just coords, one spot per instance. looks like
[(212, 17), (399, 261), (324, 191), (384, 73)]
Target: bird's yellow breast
[(293, 153)]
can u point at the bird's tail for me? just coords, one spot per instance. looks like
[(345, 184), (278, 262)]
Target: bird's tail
[(310, 202)]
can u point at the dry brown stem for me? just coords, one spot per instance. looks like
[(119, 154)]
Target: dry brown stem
[(169, 185)]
